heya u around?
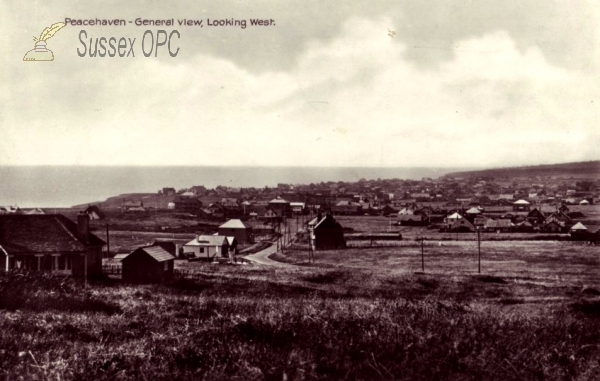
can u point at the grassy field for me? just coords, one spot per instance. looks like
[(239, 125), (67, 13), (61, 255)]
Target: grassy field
[(254, 323), (355, 314)]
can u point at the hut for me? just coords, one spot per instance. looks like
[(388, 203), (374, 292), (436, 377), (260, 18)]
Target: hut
[(149, 264)]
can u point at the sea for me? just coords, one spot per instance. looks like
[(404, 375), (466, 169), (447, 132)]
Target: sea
[(66, 186)]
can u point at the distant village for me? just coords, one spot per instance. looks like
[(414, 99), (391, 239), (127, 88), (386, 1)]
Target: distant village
[(231, 223), (447, 203)]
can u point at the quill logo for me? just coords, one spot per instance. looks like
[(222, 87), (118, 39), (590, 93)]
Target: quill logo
[(40, 52)]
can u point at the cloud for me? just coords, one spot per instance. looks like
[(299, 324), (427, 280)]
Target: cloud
[(355, 99)]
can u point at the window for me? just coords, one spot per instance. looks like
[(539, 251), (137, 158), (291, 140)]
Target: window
[(202, 250), (166, 265)]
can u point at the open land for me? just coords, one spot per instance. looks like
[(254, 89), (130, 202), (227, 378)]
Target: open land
[(533, 313)]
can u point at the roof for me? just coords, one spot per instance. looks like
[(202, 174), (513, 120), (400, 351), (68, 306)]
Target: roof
[(455, 216), (48, 233), (473, 211), (278, 200), (579, 226), (208, 240), (156, 252), (521, 202), (234, 224), (119, 257), (498, 224)]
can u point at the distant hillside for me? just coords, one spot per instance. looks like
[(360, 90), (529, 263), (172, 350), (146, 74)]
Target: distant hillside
[(584, 169)]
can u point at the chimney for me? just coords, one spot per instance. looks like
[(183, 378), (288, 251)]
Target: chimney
[(83, 226)]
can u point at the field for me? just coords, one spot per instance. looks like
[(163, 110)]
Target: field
[(354, 314), (357, 314), (386, 224)]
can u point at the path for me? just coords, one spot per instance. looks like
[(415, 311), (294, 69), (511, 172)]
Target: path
[(262, 257)]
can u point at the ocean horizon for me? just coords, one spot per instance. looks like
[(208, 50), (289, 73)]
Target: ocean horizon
[(65, 186)]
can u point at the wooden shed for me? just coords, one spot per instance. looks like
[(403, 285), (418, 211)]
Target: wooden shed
[(150, 264)]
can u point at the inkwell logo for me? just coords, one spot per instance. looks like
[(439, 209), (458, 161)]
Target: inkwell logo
[(40, 52)]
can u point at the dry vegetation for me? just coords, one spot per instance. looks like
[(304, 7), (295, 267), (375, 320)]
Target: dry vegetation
[(341, 318)]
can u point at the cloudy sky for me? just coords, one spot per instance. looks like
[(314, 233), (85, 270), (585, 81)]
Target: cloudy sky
[(377, 83)]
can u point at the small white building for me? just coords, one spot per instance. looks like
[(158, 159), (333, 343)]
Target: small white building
[(210, 246)]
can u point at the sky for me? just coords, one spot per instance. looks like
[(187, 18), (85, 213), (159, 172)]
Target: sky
[(356, 83)]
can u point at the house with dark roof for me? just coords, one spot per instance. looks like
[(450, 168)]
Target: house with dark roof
[(187, 204), (149, 264), (326, 233), (50, 242), (501, 225)]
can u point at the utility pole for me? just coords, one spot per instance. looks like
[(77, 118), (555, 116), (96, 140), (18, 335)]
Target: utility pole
[(479, 249), (107, 243), (422, 256)]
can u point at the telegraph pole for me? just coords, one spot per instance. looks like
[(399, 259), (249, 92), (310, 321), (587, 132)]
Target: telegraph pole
[(479, 249), (422, 256)]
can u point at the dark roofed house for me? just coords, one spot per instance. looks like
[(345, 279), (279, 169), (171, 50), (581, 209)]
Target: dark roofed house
[(187, 204), (501, 225), (326, 233), (150, 264), (50, 242)]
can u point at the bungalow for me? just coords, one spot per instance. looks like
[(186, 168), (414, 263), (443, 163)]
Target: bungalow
[(150, 264), (50, 242), (503, 225), (209, 246)]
